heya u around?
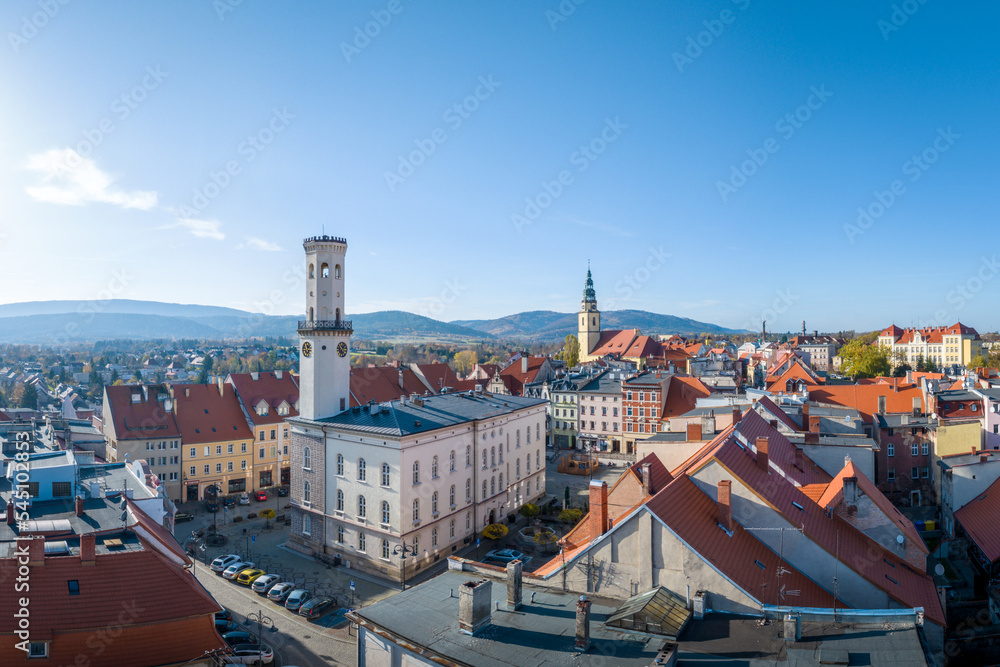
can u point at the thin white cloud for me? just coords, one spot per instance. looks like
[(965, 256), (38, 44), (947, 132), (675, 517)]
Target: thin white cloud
[(203, 229), (254, 243), (72, 180)]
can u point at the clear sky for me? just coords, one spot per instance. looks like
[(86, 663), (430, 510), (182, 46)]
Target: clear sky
[(708, 158)]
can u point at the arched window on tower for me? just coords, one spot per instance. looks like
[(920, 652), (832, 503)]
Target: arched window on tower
[(338, 316), (324, 270), (336, 272), (312, 271), (593, 320), (312, 314)]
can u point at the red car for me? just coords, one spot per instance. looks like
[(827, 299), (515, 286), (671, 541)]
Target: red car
[(259, 496)]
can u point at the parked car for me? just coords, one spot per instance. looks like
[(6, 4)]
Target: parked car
[(181, 517), (260, 496), (504, 556), (280, 592), (230, 503), (222, 562), (265, 583), (224, 625), (249, 654), (247, 577), (316, 607), (296, 598), (212, 507), (283, 491), (244, 499), (234, 570), (225, 613), (239, 637)]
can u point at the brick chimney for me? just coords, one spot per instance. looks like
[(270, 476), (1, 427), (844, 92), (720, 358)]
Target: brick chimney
[(694, 431), (87, 549), (984, 458), (36, 551), (814, 423), (805, 415), (514, 576), (11, 513), (762, 459), (582, 624), (647, 484), (78, 505), (737, 415), (474, 605), (726, 504), (811, 438), (598, 508)]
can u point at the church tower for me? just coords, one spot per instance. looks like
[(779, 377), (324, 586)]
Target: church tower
[(590, 320), (324, 336)]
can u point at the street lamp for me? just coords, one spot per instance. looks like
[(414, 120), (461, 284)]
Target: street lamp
[(403, 550), (261, 619)]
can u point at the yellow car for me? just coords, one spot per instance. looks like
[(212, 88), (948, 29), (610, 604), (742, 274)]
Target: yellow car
[(247, 577)]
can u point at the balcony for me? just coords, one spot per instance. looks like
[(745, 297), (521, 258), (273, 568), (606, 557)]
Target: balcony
[(325, 325)]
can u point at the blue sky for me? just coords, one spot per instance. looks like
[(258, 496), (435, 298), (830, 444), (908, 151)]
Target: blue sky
[(708, 158)]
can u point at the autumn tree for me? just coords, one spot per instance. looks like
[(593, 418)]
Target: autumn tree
[(862, 360), (571, 351), (465, 362)]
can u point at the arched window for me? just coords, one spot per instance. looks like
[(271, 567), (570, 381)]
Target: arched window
[(517, 468), (416, 510), (306, 492), (385, 511), (484, 459), (493, 486), (434, 537), (468, 490), (451, 529), (312, 314), (336, 272), (468, 456), (451, 496), (340, 500), (501, 482), (493, 456), (434, 504), (527, 464), (385, 474), (362, 507), (451, 461), (337, 317), (307, 458), (307, 524), (361, 542), (517, 437), (416, 472), (484, 490), (434, 467), (527, 436), (385, 549), (312, 271), (362, 470), (340, 534), (324, 270), (340, 464), (501, 454)]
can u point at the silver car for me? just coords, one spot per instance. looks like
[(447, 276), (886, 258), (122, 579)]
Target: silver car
[(296, 599), (279, 592), (263, 584), (222, 562), (233, 570)]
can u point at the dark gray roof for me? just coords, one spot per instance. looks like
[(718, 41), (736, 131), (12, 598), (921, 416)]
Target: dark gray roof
[(400, 418), (606, 383), (673, 436), (539, 634)]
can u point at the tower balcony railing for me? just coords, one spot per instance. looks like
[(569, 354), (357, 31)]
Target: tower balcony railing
[(324, 237), (326, 325)]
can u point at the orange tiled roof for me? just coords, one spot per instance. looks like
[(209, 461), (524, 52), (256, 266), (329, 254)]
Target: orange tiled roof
[(206, 414), (979, 519), (143, 419), (271, 389), (614, 342)]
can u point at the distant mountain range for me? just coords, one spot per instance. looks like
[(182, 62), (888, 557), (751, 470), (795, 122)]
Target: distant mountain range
[(60, 322)]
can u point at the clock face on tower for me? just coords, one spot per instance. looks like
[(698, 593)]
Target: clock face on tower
[(307, 349), (342, 349)]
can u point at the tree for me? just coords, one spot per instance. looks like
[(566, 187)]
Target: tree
[(29, 398), (465, 362), (495, 531), (571, 351), (863, 360), (978, 361), (571, 516), (901, 370), (206, 368), (529, 510)]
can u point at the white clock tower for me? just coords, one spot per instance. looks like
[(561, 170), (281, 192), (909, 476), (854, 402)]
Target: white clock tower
[(324, 336)]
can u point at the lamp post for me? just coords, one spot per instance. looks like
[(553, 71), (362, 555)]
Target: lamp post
[(403, 550), (261, 619)]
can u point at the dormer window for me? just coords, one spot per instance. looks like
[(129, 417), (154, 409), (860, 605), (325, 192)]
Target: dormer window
[(262, 408)]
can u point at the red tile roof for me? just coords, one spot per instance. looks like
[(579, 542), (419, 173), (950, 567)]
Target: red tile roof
[(207, 414), (382, 384), (772, 409), (438, 375), (864, 398), (979, 519), (659, 476), (271, 389), (143, 419), (928, 334), (683, 392), (614, 342)]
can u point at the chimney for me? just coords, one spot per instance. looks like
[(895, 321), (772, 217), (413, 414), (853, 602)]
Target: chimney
[(851, 491), (793, 628), (582, 624), (254, 375), (805, 415), (811, 439), (11, 513), (726, 504), (598, 508), (514, 585), (814, 423), (87, 549), (36, 551), (984, 458), (277, 375), (762, 459), (474, 605), (401, 378), (524, 364), (737, 415), (78, 505), (694, 431), (647, 488), (774, 424)]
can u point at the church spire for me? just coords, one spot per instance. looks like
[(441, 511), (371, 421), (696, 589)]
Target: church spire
[(589, 295)]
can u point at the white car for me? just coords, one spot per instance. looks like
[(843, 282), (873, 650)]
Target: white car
[(244, 499), (279, 592), (222, 562), (263, 584), (233, 570), (250, 654)]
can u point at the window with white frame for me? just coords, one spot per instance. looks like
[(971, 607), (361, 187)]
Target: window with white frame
[(340, 534), (340, 500), (340, 465), (385, 512), (451, 461), (891, 450), (416, 510), (361, 542), (451, 496), (306, 491), (434, 467), (306, 524), (468, 490), (434, 504), (306, 458), (385, 549), (362, 507), (385, 474), (362, 470), (416, 472), (468, 456)]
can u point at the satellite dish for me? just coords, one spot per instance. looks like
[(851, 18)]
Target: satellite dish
[(124, 516), (123, 504), (939, 570)]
